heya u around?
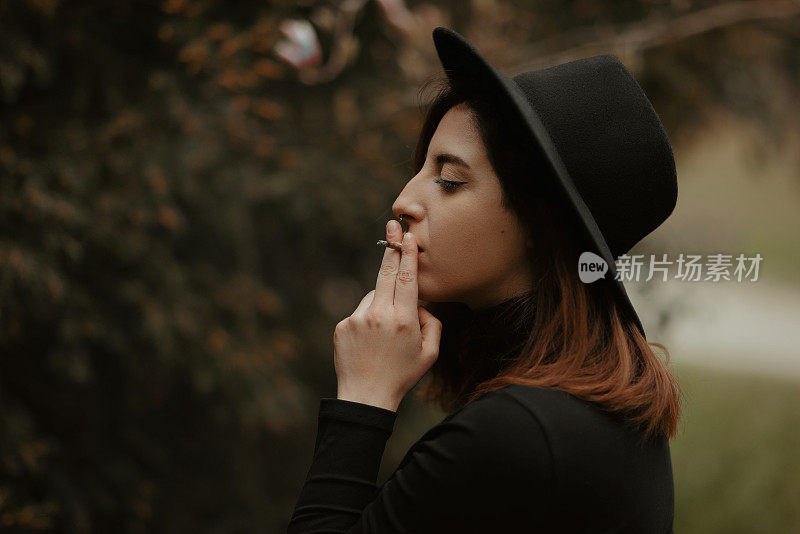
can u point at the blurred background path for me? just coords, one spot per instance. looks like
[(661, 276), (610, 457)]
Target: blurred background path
[(746, 326)]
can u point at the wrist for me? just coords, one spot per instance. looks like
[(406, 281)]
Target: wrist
[(381, 401)]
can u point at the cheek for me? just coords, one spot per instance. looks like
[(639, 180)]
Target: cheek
[(476, 243), (476, 252), (461, 263)]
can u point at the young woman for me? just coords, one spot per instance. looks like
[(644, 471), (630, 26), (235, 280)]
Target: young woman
[(560, 411)]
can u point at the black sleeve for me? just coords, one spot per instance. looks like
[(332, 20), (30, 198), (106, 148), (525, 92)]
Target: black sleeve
[(487, 466)]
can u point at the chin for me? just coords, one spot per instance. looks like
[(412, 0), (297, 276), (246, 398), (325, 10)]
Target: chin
[(432, 295)]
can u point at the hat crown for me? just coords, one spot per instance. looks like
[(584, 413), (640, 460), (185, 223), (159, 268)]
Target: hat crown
[(611, 142)]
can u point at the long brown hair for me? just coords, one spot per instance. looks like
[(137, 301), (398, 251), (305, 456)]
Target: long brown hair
[(577, 337)]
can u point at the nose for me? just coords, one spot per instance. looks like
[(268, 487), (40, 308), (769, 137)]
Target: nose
[(407, 207), (407, 212), (404, 219)]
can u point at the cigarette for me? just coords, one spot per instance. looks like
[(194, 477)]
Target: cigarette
[(391, 244)]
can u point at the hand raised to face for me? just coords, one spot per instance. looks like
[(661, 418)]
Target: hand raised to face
[(385, 347)]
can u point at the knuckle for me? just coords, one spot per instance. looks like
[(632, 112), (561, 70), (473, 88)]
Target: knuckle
[(341, 326), (404, 324), (405, 276), (387, 269), (374, 319)]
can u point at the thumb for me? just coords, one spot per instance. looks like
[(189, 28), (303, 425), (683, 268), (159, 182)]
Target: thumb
[(431, 330)]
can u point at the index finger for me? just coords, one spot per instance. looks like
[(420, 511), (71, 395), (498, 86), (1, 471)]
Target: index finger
[(387, 275), (406, 290)]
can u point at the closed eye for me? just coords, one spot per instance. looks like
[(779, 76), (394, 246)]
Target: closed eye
[(448, 185)]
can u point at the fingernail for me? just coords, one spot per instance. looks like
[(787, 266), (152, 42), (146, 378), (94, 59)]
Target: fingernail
[(391, 226), (407, 238)]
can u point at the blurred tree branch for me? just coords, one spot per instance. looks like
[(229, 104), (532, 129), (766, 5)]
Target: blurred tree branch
[(630, 40)]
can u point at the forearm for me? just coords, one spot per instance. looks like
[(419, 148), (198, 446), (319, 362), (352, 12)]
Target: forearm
[(351, 438)]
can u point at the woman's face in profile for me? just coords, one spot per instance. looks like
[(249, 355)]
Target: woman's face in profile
[(472, 250)]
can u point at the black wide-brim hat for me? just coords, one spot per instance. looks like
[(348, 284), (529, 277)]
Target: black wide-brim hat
[(593, 126)]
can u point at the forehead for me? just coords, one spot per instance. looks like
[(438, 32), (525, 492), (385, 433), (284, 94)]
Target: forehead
[(457, 131)]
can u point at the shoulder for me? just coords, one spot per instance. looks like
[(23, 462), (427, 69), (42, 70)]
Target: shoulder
[(599, 458), (517, 407), (558, 425), (499, 410), (533, 444), (487, 467), (565, 417), (585, 438), (519, 420), (495, 456), (500, 435)]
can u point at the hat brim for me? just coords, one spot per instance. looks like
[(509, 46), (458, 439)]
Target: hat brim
[(463, 64)]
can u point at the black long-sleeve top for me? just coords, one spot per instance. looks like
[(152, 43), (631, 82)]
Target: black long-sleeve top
[(519, 459)]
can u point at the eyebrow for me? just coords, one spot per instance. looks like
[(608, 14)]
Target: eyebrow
[(441, 159)]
